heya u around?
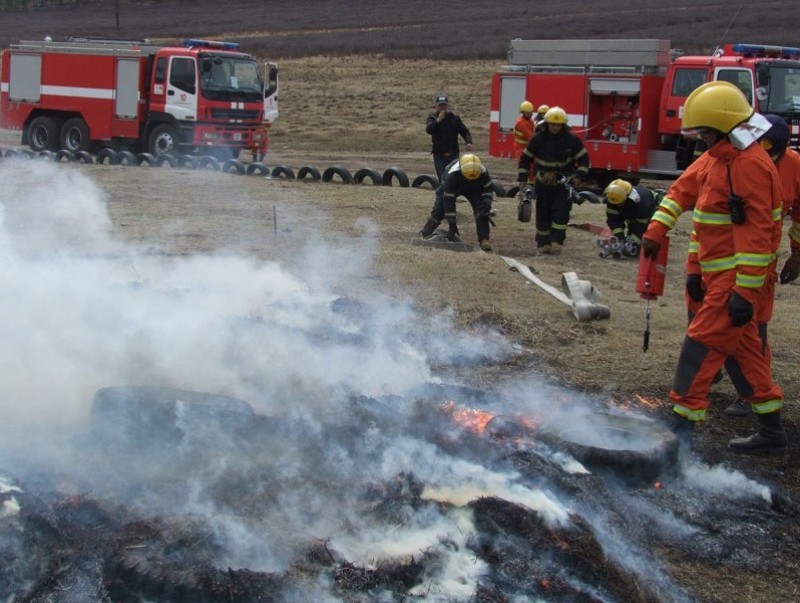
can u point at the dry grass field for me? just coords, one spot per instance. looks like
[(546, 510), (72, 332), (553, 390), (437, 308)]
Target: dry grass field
[(357, 80)]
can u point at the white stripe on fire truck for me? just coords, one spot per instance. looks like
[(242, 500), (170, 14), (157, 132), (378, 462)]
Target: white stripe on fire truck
[(573, 119), (71, 91), (4, 87)]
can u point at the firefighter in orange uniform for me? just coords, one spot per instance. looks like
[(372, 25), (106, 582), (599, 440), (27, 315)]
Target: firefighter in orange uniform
[(776, 142), (259, 148), (523, 132), (735, 193)]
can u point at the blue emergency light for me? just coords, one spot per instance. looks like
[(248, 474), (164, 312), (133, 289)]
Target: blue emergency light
[(763, 50), (195, 43)]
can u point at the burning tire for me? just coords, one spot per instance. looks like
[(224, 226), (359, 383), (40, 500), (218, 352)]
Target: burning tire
[(142, 416), (633, 449)]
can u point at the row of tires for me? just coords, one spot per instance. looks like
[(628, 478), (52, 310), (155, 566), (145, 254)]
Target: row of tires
[(334, 173)]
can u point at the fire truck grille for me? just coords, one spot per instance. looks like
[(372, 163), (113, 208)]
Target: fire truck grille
[(235, 114)]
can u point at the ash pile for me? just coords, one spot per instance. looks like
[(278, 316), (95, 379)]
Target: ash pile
[(180, 496)]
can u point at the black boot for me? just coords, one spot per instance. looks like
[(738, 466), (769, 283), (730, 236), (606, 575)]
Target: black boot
[(429, 227), (770, 437), (683, 429)]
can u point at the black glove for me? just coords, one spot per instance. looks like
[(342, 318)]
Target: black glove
[(650, 248), (694, 287), (791, 269), (740, 310)]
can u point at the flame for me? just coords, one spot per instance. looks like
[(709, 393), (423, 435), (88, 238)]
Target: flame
[(469, 418), (635, 402)]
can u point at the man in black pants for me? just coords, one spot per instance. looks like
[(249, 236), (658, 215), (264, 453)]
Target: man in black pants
[(556, 153), (445, 127), (468, 177)]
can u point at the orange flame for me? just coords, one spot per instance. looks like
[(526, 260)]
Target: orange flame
[(469, 418)]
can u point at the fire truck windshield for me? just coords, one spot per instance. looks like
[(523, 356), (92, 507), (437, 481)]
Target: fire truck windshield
[(226, 78), (779, 89)]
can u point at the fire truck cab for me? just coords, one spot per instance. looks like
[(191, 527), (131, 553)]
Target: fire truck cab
[(82, 94), (625, 98)]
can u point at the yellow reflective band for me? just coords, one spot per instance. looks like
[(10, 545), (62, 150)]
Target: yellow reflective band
[(761, 260), (618, 231), (635, 239), (543, 233), (694, 246), (642, 220), (777, 214), (555, 164), (670, 205), (766, 407), (705, 217), (613, 212), (666, 219), (750, 282), (555, 226), (794, 232), (719, 264), (687, 413)]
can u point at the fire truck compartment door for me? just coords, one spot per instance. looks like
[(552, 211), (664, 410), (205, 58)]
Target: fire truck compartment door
[(512, 93), (25, 77), (613, 86), (127, 94)]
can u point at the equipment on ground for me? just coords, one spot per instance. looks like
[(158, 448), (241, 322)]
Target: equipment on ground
[(616, 247), (650, 282), (625, 98), (82, 94)]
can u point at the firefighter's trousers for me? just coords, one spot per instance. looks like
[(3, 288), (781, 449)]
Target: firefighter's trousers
[(553, 207), (443, 206), (710, 340)]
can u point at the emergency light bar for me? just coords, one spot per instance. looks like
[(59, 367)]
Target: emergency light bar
[(195, 43), (762, 50)]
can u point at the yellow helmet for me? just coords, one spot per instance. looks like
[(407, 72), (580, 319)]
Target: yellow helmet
[(542, 109), (718, 105), (618, 191), (555, 115), (470, 166), (526, 107)]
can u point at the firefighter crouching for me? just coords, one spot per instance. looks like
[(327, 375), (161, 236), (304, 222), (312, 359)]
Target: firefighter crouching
[(557, 154), (468, 177), (628, 212), (735, 194)]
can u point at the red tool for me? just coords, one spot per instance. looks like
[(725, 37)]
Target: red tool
[(650, 282)]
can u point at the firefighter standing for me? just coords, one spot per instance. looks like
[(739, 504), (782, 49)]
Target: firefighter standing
[(538, 121), (734, 192), (629, 207), (445, 127), (468, 177), (523, 132), (556, 154)]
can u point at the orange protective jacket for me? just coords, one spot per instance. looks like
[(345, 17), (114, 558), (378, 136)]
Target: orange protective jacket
[(523, 132), (789, 174)]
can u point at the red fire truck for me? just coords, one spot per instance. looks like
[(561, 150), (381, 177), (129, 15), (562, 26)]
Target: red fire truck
[(85, 93), (625, 98)]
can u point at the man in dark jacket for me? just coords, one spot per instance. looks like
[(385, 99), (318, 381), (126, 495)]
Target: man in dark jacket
[(557, 154), (468, 177), (445, 127), (628, 212)]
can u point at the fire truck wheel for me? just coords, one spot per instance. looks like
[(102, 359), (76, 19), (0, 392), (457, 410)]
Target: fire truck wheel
[(259, 167), (633, 449), (145, 158), (513, 191), (126, 158), (309, 171), (75, 135), (424, 179), (106, 154), (44, 133), (168, 159), (207, 162), (233, 165), (337, 170), (393, 172), (282, 171), (187, 161), (65, 154), (163, 140), (364, 173)]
